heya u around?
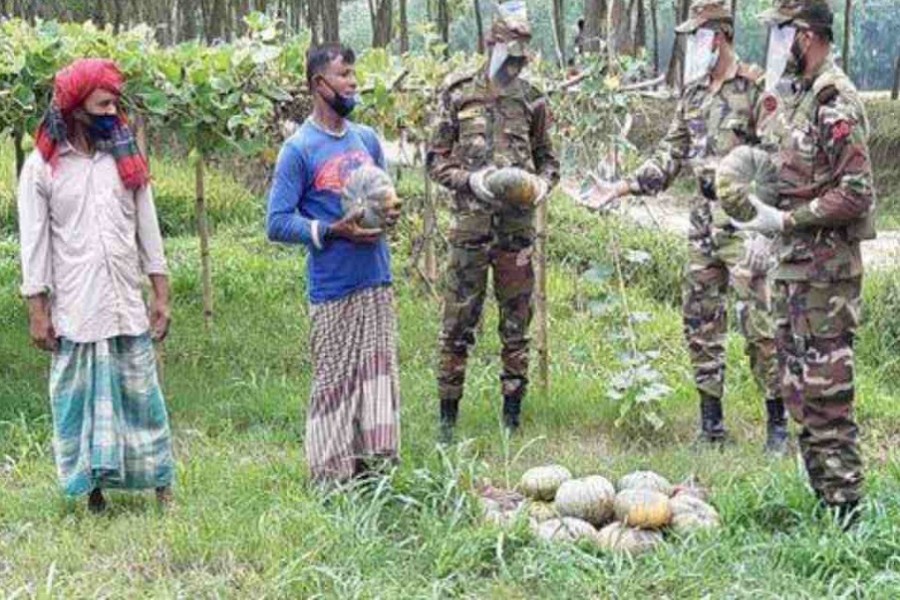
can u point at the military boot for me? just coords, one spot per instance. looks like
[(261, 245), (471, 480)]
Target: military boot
[(776, 428), (449, 412), (512, 408), (712, 429), (845, 514)]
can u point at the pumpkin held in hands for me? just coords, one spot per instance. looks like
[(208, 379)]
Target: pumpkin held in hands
[(514, 186), (369, 188), (746, 170)]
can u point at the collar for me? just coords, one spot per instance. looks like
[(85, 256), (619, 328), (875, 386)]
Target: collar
[(326, 131), (806, 83)]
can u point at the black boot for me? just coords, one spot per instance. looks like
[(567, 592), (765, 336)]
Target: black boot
[(776, 428), (449, 412), (712, 429), (845, 514), (512, 408), (96, 501)]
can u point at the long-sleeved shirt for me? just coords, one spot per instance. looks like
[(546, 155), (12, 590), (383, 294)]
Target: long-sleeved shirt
[(88, 242), (312, 169)]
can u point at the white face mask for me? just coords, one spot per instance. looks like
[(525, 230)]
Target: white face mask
[(779, 53), (699, 55), (499, 54)]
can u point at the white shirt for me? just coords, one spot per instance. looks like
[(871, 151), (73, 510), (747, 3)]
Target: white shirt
[(88, 242)]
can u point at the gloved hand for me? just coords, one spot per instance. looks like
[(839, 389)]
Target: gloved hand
[(768, 219), (543, 188), (758, 252), (478, 184)]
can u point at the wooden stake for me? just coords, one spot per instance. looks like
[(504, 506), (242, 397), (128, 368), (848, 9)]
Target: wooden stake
[(848, 15), (540, 297), (203, 231)]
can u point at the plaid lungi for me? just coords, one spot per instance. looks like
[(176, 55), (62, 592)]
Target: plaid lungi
[(110, 425), (354, 408)]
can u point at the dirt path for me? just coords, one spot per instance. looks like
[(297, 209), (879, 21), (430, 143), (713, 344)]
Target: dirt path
[(670, 213)]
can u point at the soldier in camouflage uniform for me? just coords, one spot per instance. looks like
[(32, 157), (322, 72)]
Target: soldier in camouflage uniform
[(486, 122), (815, 124), (715, 114)]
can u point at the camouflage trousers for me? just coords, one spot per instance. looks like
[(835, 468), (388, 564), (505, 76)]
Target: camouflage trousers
[(716, 265), (482, 239), (816, 322)]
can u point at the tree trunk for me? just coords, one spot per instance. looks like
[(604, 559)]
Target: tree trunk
[(331, 12), (640, 28), (540, 296), (594, 17), (404, 28), (382, 12), (203, 232), (848, 18), (619, 28), (479, 25), (313, 21), (675, 70), (444, 24), (654, 9), (896, 90), (559, 31), (18, 134)]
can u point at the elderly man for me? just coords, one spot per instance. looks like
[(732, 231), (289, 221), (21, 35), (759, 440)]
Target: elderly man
[(353, 420), (715, 114), (89, 235), (487, 120), (814, 123)]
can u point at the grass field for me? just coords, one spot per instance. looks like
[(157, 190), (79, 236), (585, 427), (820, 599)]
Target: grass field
[(248, 523)]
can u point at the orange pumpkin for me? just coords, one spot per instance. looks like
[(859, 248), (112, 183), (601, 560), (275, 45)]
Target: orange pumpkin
[(513, 185), (644, 508)]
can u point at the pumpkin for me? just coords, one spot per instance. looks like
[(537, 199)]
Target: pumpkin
[(541, 483), (690, 513), (590, 499), (513, 185), (645, 480), (542, 511), (618, 537), (565, 529), (369, 188), (644, 508), (746, 170)]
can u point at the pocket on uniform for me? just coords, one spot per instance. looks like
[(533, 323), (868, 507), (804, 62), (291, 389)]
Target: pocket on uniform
[(830, 309)]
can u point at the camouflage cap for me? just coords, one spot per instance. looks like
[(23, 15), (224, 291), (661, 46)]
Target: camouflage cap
[(805, 14), (703, 12), (511, 25)]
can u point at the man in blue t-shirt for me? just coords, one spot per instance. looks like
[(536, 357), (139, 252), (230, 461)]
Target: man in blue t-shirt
[(353, 419)]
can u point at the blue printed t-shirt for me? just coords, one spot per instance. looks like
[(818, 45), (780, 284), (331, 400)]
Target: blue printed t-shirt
[(312, 169)]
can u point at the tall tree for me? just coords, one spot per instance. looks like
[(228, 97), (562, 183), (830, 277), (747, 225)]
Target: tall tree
[(443, 18), (331, 13), (594, 24), (848, 18), (479, 25), (404, 28), (640, 26), (654, 12), (559, 31), (619, 27), (382, 15), (675, 70)]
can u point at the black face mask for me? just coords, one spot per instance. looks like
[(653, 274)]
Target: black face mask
[(339, 103)]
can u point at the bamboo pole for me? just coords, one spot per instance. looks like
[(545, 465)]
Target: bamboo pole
[(540, 297), (848, 15), (203, 231)]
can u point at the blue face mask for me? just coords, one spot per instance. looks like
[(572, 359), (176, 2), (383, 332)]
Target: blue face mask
[(341, 104), (102, 126)]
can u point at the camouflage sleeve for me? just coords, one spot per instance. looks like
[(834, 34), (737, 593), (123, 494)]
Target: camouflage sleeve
[(443, 167), (545, 159), (843, 131), (661, 169)]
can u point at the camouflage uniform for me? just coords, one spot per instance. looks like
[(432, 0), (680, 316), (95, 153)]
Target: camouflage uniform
[(481, 125), (817, 129), (707, 125)]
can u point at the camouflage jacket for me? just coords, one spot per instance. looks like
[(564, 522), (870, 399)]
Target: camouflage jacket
[(817, 131), (477, 127), (706, 126)]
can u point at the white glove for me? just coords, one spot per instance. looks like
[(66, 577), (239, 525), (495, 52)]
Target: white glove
[(543, 188), (767, 220), (478, 184), (758, 253)]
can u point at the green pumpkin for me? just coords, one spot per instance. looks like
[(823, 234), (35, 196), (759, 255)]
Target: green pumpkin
[(690, 513), (590, 499), (370, 189), (565, 529), (541, 483), (618, 537), (513, 186), (645, 480), (746, 170)]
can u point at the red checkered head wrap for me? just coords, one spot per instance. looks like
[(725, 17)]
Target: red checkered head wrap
[(71, 87)]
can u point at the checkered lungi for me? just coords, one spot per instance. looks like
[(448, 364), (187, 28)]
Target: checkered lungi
[(110, 425), (353, 418)]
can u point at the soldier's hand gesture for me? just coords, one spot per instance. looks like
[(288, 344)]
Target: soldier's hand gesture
[(603, 194)]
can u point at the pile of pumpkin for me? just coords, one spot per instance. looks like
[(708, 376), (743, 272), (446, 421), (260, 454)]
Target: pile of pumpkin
[(628, 517)]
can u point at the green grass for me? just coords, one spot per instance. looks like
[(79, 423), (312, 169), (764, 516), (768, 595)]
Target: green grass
[(249, 524)]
